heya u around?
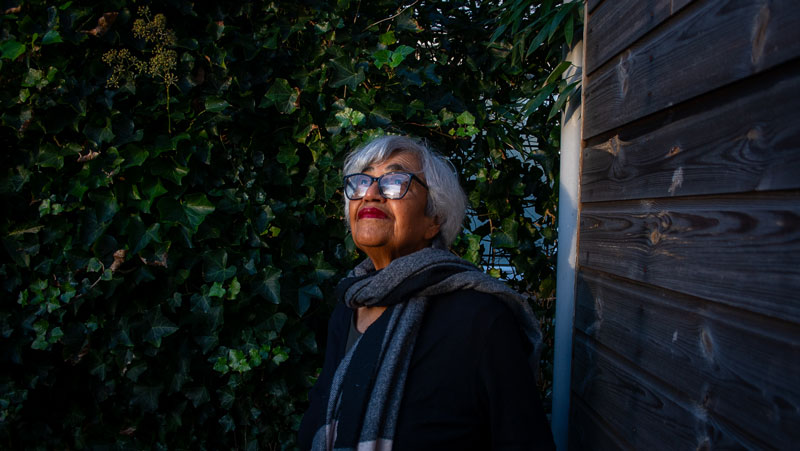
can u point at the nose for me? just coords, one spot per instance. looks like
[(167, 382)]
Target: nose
[(373, 192)]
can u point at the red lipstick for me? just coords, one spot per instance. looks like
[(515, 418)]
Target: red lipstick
[(371, 213)]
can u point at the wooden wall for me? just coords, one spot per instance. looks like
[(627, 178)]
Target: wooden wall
[(687, 321)]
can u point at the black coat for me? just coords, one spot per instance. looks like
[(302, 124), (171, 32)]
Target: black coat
[(469, 385)]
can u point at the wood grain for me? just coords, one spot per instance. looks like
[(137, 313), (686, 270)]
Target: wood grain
[(592, 4), (590, 431), (703, 48), (644, 412), (615, 25), (714, 356), (740, 250), (744, 137)]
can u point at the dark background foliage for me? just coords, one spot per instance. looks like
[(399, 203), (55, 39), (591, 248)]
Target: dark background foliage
[(171, 244)]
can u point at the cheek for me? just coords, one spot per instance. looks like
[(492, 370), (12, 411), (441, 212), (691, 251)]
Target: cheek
[(351, 213)]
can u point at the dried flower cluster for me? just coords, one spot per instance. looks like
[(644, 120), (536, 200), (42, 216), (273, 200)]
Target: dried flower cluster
[(161, 64)]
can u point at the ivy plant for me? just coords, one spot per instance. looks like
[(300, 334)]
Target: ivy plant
[(170, 178)]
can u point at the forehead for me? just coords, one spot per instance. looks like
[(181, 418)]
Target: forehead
[(397, 161)]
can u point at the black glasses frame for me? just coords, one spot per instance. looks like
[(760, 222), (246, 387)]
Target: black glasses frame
[(380, 187)]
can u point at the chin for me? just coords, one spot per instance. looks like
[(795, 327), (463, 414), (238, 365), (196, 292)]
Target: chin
[(370, 238), (361, 244)]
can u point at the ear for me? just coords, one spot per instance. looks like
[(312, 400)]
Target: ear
[(433, 228)]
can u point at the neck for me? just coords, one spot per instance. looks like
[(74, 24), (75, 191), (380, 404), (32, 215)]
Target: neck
[(381, 258)]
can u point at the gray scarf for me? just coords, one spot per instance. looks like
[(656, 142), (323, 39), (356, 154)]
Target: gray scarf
[(368, 385)]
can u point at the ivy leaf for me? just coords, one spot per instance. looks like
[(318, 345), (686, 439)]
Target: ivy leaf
[(160, 327), (269, 285), (152, 188), (382, 57), (304, 296), (465, 118), (227, 423), (226, 396), (51, 37), (322, 269), (40, 327), (135, 371), (33, 78), (206, 342), (349, 117), (216, 104), (399, 54), (217, 290), (196, 207), (198, 395), (216, 266), (506, 236), (276, 322), (406, 21), (91, 228), (146, 397), (430, 74), (387, 38), (283, 96), (139, 236), (346, 73), (201, 303), (11, 49), (237, 361), (473, 253), (100, 134), (234, 288), (288, 156), (221, 365), (134, 156), (50, 158)]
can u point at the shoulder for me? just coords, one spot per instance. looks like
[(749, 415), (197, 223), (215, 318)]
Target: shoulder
[(338, 327), (468, 319), (470, 308), (340, 315)]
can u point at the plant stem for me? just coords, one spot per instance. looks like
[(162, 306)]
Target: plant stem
[(169, 119)]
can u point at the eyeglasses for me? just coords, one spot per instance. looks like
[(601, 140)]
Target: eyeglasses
[(392, 185)]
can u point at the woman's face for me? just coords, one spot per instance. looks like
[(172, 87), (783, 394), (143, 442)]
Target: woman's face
[(386, 229)]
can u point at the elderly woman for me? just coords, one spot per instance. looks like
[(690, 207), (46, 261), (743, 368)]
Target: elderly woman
[(424, 350)]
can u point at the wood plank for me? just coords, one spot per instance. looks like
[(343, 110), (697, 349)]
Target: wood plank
[(744, 137), (615, 25), (592, 4), (700, 49), (740, 250), (736, 365), (645, 413), (587, 430)]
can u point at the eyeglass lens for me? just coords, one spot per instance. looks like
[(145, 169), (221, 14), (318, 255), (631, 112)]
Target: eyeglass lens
[(391, 185)]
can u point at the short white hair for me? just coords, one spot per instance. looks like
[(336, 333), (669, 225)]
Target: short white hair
[(446, 199)]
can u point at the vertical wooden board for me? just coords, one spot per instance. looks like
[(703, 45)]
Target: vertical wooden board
[(738, 366), (744, 137), (643, 412), (700, 49), (615, 25), (741, 250), (587, 430)]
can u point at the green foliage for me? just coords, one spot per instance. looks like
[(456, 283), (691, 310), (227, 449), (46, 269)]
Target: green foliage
[(169, 255)]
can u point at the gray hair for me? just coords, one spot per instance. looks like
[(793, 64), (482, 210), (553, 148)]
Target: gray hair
[(446, 199)]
